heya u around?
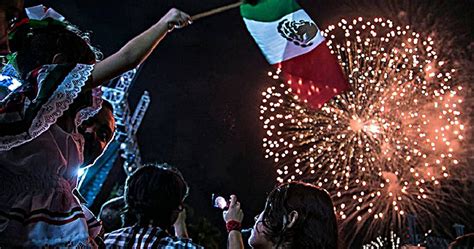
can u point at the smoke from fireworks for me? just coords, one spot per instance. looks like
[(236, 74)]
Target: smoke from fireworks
[(383, 148)]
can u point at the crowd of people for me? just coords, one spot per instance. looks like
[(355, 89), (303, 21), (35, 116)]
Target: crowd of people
[(56, 122)]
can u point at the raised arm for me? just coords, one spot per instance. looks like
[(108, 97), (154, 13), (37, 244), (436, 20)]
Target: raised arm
[(233, 217), (138, 49)]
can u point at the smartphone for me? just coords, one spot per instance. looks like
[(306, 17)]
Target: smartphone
[(219, 202)]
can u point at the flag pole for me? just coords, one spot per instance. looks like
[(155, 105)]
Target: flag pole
[(216, 10)]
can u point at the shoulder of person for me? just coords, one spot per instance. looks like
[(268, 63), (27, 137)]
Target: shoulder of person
[(181, 243)]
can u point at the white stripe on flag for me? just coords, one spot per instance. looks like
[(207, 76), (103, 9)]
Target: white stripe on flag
[(273, 45)]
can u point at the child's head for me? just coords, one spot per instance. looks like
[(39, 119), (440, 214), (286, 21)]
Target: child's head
[(97, 131), (154, 194), (296, 215), (53, 44)]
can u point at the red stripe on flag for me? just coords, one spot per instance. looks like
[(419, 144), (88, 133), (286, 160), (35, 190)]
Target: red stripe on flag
[(316, 76)]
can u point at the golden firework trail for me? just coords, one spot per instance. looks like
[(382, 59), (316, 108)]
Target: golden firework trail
[(384, 148)]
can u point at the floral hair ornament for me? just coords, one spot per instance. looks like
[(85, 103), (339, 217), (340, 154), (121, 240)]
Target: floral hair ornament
[(41, 16), (36, 17), (35, 13), (40, 12)]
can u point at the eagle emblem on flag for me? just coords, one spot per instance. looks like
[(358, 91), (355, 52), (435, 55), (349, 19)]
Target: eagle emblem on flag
[(301, 33)]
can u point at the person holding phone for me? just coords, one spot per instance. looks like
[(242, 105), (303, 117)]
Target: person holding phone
[(297, 215)]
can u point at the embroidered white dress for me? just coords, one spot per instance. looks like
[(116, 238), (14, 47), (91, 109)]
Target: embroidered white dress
[(38, 171)]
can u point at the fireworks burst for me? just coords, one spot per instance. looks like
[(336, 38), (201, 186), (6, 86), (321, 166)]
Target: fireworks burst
[(393, 242), (383, 148)]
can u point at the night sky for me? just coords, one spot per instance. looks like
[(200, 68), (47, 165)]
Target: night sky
[(205, 83)]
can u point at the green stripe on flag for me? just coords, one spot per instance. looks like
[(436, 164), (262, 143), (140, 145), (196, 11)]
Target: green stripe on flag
[(268, 10)]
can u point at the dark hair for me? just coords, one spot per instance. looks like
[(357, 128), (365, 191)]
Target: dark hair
[(107, 105), (463, 242), (316, 226), (85, 99), (38, 46), (153, 194), (110, 214)]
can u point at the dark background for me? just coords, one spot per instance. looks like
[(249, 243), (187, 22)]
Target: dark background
[(205, 83)]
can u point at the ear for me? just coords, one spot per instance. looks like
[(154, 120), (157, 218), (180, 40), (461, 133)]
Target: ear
[(59, 58), (292, 218)]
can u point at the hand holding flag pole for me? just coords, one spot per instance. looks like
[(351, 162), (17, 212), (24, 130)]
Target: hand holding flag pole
[(207, 13), (216, 10), (305, 58)]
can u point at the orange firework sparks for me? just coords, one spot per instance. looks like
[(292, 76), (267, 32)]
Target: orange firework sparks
[(383, 148)]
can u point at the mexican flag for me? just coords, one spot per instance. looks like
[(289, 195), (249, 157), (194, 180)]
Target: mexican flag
[(290, 40)]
